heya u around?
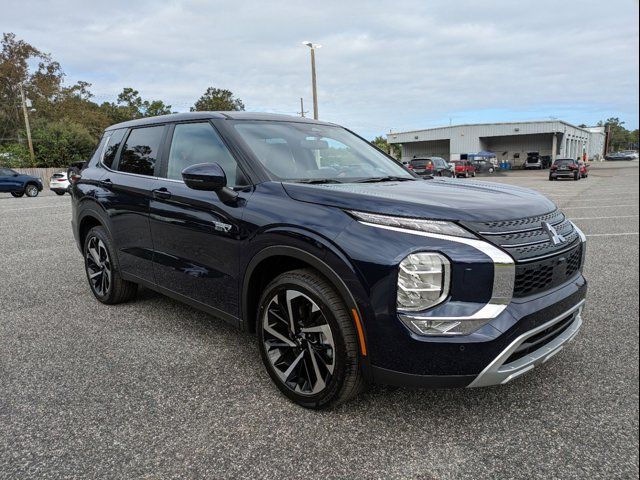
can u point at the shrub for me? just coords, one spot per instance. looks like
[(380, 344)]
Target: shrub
[(14, 155), (59, 143)]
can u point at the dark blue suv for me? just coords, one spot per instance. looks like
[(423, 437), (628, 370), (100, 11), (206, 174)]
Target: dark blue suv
[(19, 184), (348, 268)]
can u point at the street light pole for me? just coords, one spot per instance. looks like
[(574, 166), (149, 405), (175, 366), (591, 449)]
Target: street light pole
[(313, 48)]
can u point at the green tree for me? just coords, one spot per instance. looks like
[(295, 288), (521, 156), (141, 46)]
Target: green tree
[(385, 146), (59, 143), (618, 134), (217, 100), (130, 106), (634, 139), (381, 143), (41, 82), (66, 123)]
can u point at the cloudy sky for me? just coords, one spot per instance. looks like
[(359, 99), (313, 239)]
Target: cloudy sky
[(383, 64)]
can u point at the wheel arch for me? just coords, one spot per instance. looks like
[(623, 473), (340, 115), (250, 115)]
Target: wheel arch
[(91, 215), (270, 262)]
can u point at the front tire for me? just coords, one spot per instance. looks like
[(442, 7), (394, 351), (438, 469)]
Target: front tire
[(31, 190), (58, 192), (308, 341), (103, 270), (576, 177)]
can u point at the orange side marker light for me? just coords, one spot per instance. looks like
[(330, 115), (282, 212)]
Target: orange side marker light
[(363, 345)]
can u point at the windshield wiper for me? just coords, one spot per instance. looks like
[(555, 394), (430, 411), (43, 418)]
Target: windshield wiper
[(385, 179), (314, 180)]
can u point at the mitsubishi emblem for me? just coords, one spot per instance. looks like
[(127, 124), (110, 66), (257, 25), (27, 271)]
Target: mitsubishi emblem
[(555, 237)]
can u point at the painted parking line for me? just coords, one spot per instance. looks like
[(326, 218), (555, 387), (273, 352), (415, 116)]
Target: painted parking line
[(603, 218), (611, 234), (32, 208), (592, 207)]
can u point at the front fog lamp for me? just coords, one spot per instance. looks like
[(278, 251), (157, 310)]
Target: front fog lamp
[(423, 281)]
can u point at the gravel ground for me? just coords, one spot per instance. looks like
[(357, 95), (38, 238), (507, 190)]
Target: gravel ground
[(156, 389)]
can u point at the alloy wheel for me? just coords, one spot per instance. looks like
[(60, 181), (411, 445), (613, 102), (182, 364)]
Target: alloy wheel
[(32, 191), (98, 266), (299, 342)]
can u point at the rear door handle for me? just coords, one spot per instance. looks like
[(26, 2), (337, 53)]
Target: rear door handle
[(161, 193)]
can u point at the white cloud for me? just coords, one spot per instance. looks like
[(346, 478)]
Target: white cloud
[(402, 64)]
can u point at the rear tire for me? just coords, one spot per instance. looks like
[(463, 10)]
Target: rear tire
[(308, 341), (103, 270), (17, 194), (60, 193)]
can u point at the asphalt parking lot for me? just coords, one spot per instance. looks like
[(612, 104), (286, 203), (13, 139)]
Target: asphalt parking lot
[(155, 389)]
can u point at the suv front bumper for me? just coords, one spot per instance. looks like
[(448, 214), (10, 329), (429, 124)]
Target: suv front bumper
[(532, 348), (525, 335)]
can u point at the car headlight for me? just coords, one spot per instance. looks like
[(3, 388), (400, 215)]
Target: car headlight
[(423, 281), (430, 226)]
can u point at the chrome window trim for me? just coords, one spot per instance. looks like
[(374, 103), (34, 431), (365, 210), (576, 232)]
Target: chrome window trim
[(503, 275)]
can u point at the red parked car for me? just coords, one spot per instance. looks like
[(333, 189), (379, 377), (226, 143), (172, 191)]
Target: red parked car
[(464, 168)]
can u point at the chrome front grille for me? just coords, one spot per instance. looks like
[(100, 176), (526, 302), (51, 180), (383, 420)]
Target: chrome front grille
[(541, 264), (525, 239)]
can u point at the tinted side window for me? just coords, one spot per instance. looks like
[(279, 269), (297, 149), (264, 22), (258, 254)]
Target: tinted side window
[(112, 147), (194, 143), (140, 150)]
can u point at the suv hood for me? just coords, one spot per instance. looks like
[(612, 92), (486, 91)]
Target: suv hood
[(440, 199)]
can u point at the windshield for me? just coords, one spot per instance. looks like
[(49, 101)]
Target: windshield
[(293, 151), (420, 163)]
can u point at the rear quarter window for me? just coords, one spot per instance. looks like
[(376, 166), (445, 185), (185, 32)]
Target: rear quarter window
[(140, 151), (113, 144)]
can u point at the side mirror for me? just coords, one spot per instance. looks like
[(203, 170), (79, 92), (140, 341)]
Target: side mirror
[(209, 177)]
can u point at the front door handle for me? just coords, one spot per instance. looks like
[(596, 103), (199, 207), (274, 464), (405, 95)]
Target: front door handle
[(161, 193), (106, 182)]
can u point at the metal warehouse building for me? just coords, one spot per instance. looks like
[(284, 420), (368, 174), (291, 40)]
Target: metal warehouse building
[(509, 141)]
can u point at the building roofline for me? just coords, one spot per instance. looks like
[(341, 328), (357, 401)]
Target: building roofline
[(490, 123)]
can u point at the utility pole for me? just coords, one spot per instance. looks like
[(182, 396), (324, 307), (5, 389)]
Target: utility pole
[(313, 47), (26, 123), (302, 110)]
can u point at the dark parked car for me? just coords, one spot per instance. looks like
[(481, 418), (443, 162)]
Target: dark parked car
[(567, 168), (19, 184), (434, 166), (483, 166), (347, 267)]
